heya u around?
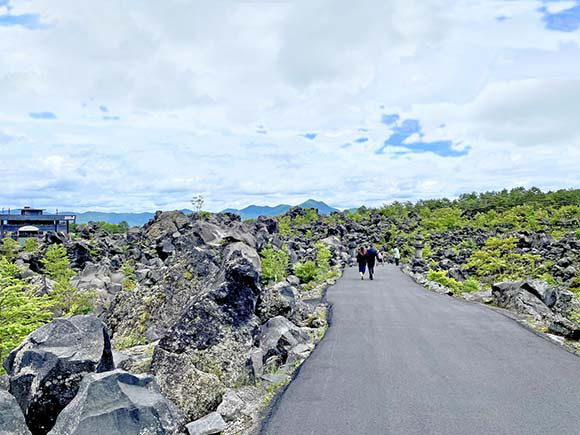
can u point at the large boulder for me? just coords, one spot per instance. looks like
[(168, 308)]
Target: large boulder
[(11, 419), (278, 336), (518, 296), (195, 392), (118, 403), (211, 424), (281, 299), (547, 293), (564, 327), (46, 369)]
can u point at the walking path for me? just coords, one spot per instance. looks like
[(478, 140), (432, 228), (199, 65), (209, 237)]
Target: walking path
[(400, 360)]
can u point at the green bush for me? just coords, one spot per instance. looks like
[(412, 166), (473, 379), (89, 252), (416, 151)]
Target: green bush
[(30, 245), (306, 271), (499, 260), (470, 285), (274, 264), (9, 248), (311, 272), (120, 228), (441, 277), (67, 300), (21, 312), (285, 226), (130, 280)]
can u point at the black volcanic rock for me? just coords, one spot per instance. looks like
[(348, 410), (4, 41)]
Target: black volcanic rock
[(118, 403), (46, 369)]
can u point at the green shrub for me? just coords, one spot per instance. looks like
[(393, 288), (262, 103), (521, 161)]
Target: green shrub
[(274, 264), (30, 245), (499, 260), (21, 312), (284, 226), (131, 340), (470, 285), (9, 248), (322, 257), (67, 300), (311, 272), (121, 227), (441, 277), (306, 271), (130, 280)]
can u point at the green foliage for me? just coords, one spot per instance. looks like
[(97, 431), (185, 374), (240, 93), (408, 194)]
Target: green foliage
[(131, 340), (499, 260), (67, 300), (274, 264), (130, 280), (575, 285), (322, 257), (284, 226), (468, 286), (306, 271), (441, 277), (120, 228), (21, 312), (312, 272), (442, 219), (9, 248), (56, 263), (310, 216), (30, 245)]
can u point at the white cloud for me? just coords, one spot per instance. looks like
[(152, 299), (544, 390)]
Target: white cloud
[(190, 83)]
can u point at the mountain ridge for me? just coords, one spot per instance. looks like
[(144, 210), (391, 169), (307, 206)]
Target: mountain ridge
[(249, 212), (253, 211)]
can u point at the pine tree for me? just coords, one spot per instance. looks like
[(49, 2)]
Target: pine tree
[(68, 300), (20, 311)]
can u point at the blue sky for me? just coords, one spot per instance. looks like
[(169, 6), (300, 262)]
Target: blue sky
[(125, 106)]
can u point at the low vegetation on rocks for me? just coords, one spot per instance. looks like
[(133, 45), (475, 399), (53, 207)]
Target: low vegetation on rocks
[(208, 316)]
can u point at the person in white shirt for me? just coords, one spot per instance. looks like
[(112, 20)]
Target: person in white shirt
[(397, 255)]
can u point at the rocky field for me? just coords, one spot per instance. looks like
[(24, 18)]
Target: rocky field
[(192, 323)]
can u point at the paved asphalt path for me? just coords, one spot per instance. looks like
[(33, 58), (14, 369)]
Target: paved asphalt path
[(400, 360)]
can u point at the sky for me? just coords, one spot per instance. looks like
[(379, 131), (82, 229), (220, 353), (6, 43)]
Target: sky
[(123, 105)]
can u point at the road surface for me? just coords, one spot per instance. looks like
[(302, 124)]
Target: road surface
[(400, 360)]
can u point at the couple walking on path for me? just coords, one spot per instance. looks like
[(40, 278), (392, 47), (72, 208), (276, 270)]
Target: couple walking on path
[(367, 257)]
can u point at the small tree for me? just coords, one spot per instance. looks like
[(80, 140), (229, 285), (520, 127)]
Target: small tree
[(274, 264), (68, 300), (9, 248), (30, 245), (198, 202), (20, 311)]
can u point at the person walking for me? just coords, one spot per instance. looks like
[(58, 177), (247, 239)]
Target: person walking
[(397, 255), (372, 255), (361, 259)]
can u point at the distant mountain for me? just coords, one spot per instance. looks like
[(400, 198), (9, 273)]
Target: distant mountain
[(253, 211), (133, 219), (250, 212)]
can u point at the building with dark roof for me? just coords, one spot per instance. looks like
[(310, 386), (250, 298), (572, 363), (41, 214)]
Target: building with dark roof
[(32, 222)]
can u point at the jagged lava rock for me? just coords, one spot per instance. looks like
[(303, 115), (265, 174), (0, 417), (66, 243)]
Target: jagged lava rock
[(118, 403), (11, 418), (211, 424), (46, 369), (518, 297)]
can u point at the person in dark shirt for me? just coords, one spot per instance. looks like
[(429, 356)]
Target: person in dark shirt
[(361, 259), (372, 255)]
